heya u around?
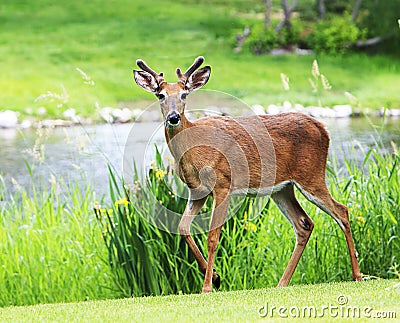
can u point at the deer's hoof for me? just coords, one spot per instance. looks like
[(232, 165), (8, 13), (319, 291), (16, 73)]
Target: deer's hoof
[(216, 280), (206, 290)]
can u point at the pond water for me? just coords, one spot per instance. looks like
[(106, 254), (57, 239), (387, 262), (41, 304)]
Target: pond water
[(81, 153)]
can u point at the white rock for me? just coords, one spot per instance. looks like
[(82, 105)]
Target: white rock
[(342, 111), (395, 112), (273, 109), (116, 112), (383, 111), (127, 115), (279, 52), (8, 119), (69, 113), (122, 115), (50, 123), (258, 109), (136, 113), (298, 107), (389, 112), (320, 112), (41, 111), (28, 110), (26, 124), (302, 52), (287, 106), (328, 113), (106, 114)]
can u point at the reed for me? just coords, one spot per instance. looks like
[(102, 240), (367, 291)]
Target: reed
[(50, 249), (255, 244)]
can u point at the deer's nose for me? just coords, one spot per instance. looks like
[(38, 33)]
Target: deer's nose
[(173, 119)]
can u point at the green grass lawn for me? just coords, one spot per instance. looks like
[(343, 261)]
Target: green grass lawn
[(368, 300), (43, 42)]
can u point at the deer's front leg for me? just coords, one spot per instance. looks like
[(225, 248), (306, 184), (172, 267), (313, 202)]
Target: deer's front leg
[(221, 202), (192, 208)]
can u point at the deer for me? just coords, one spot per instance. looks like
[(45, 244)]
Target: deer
[(259, 155)]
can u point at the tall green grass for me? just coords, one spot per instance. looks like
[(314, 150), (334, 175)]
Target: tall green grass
[(372, 193), (53, 249), (50, 248), (254, 250)]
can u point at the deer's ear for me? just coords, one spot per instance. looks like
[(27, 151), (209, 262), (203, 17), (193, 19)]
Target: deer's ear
[(198, 78), (146, 81)]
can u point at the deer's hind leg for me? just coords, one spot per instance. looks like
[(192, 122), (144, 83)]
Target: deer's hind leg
[(319, 195), (302, 225)]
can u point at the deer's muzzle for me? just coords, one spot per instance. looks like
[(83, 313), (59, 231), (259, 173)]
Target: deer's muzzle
[(173, 119)]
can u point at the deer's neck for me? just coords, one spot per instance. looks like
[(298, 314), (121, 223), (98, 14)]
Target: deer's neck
[(177, 138)]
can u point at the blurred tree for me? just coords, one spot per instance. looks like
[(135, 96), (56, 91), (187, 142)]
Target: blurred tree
[(321, 9), (356, 10), (287, 14), (268, 12)]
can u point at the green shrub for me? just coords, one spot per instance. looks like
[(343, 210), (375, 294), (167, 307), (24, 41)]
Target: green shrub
[(291, 36), (261, 40), (333, 35)]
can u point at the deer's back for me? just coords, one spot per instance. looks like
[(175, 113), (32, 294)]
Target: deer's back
[(293, 145)]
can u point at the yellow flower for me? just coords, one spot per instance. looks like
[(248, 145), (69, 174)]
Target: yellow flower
[(110, 211), (250, 226), (360, 220), (123, 202), (160, 174)]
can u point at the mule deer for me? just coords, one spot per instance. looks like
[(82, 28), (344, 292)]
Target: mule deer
[(220, 156)]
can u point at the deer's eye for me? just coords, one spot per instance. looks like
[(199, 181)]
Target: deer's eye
[(160, 96), (183, 96)]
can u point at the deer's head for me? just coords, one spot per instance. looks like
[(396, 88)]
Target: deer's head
[(172, 96)]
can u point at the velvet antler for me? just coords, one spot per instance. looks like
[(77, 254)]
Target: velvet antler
[(196, 64), (146, 68)]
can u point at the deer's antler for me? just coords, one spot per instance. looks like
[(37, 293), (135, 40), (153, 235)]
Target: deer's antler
[(196, 64), (146, 68)]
